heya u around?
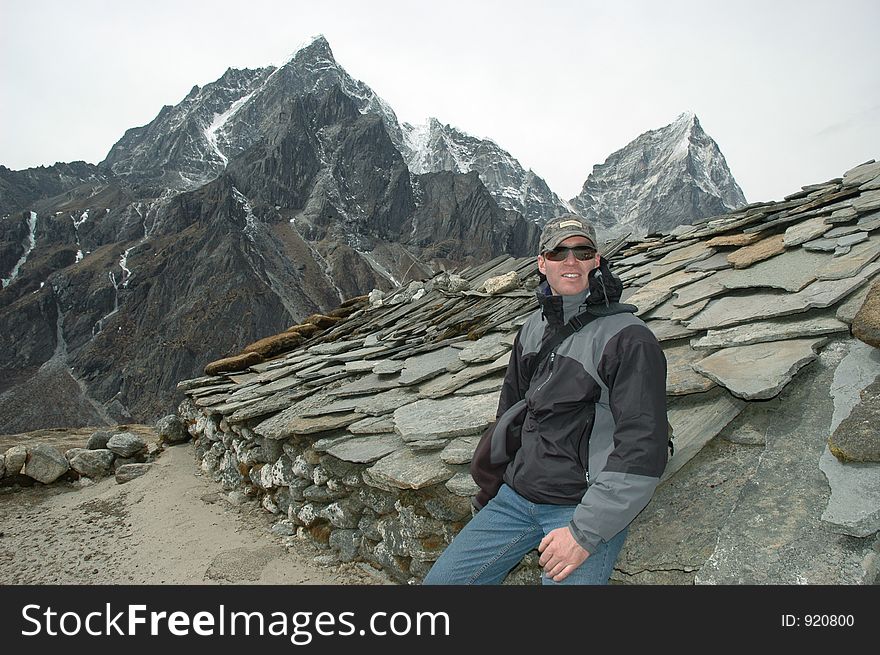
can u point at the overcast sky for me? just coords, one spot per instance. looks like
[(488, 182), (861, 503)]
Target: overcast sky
[(790, 90)]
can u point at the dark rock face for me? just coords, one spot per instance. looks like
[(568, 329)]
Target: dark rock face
[(22, 189), (664, 178)]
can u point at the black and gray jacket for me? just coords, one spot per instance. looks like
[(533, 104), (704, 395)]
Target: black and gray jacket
[(593, 414)]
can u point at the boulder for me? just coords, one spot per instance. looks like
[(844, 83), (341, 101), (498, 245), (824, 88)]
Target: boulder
[(171, 429), (15, 459), (98, 440), (93, 463), (126, 444), (232, 364), (129, 472), (45, 463), (2, 465)]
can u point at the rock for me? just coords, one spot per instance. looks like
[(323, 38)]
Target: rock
[(459, 451), (232, 364), (126, 444), (364, 450), (2, 465), (70, 453), (345, 513), (346, 543), (821, 245), (805, 231), (171, 430), (861, 174), (759, 371), (372, 425), (15, 459), (857, 438), (446, 417), (451, 283), (229, 471), (681, 378), (734, 240), (500, 284), (866, 323), (763, 331), (283, 528), (129, 472), (462, 484), (854, 506), (93, 463), (407, 470), (485, 349), (45, 463), (764, 249), (848, 265), (426, 366), (98, 440), (868, 201)]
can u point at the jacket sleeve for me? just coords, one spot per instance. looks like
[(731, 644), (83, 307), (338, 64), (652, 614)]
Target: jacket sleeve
[(633, 367)]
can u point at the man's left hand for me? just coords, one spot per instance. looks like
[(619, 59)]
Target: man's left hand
[(560, 554)]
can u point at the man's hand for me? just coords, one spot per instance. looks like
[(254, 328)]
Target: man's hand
[(560, 554)]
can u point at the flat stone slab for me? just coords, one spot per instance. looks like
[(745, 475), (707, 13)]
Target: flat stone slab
[(806, 231), (860, 256), (732, 310), (698, 291), (849, 308), (681, 378), (459, 451), (861, 174), (363, 450), (777, 330), (381, 403), (759, 371), (669, 311), (447, 384), (487, 349), (868, 201), (128, 472), (420, 368), (407, 470), (792, 271), (372, 425), (716, 262), (335, 347), (668, 330), (734, 240), (315, 424), (484, 385), (764, 249), (696, 419), (370, 383), (821, 245), (655, 292), (388, 366), (854, 505), (446, 417)]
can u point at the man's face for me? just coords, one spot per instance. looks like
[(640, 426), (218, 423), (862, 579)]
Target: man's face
[(569, 276)]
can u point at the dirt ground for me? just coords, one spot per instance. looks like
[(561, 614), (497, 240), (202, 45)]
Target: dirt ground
[(173, 525)]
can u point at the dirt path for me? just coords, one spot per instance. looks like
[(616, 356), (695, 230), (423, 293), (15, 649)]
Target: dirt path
[(174, 525)]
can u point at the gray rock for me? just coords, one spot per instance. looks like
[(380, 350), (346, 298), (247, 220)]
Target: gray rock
[(381, 502), (841, 231), (282, 500), (307, 515), (426, 366), (126, 444), (821, 245), (345, 513), (500, 283), (388, 366), (451, 283), (868, 201), (869, 222), (696, 419), (716, 262), (98, 440), (791, 271), (759, 371), (45, 463), (346, 543), (858, 368), (369, 527), (283, 528), (778, 330), (70, 453), (129, 472), (311, 425), (296, 488), (840, 251), (16, 457), (2, 465), (447, 384), (462, 484), (732, 310), (459, 451), (848, 309), (320, 475), (407, 470), (859, 257), (805, 231), (854, 505), (211, 460), (446, 417), (370, 405), (323, 494), (360, 366), (373, 425), (448, 507), (171, 429), (861, 174), (364, 450), (490, 384), (93, 463), (486, 349), (669, 330), (701, 290), (230, 474)]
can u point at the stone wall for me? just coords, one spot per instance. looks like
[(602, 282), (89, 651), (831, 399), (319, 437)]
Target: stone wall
[(344, 507)]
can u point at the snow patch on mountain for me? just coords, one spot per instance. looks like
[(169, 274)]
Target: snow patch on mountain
[(30, 241)]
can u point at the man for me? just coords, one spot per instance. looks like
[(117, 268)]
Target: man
[(580, 441)]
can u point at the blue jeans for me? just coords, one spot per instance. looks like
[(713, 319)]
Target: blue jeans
[(500, 535)]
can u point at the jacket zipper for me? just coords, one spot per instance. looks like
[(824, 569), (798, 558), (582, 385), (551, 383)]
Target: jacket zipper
[(552, 358)]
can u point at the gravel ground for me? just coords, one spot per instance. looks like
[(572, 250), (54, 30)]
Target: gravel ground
[(174, 525)]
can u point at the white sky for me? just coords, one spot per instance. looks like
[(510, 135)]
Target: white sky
[(790, 90)]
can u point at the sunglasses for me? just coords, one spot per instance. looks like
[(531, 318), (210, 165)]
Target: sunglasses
[(560, 254)]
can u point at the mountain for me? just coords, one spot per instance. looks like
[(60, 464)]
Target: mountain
[(664, 178), (122, 287), (434, 147)]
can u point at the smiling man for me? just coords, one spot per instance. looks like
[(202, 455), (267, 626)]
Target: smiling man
[(580, 439)]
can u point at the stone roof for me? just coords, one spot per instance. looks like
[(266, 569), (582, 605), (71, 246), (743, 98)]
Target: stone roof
[(756, 311)]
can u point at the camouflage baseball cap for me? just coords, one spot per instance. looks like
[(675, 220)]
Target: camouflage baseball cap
[(560, 228)]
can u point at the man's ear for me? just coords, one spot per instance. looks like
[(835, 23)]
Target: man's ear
[(541, 265)]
